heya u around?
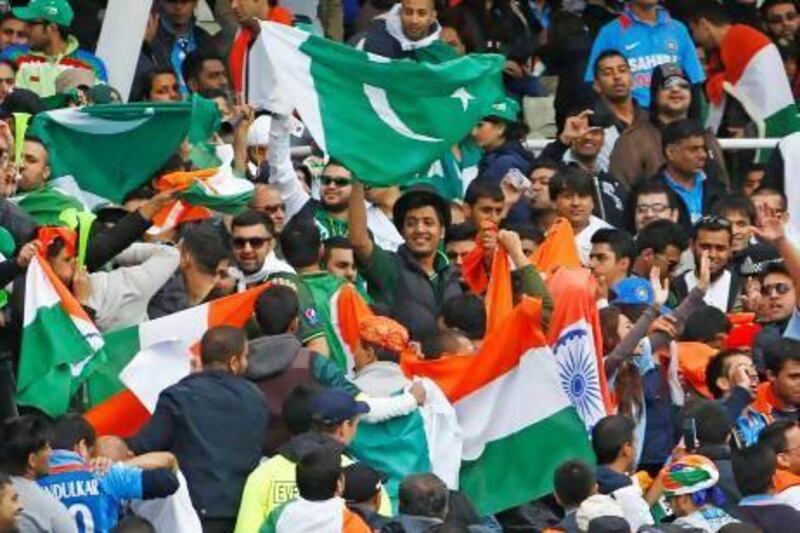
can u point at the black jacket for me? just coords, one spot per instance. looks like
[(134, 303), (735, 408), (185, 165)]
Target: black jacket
[(214, 423)]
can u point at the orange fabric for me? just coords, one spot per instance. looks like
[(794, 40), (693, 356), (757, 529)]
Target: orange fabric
[(473, 270), (744, 331), (121, 415), (47, 234), (784, 479), (281, 15), (500, 294), (182, 180), (237, 59), (459, 376), (573, 292), (558, 249), (351, 309), (693, 358), (766, 400), (352, 523), (176, 213), (384, 332)]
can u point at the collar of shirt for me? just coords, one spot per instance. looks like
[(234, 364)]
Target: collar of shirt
[(700, 177), (662, 16), (759, 499)]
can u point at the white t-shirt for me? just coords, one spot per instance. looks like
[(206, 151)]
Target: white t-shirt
[(583, 240), (718, 292)]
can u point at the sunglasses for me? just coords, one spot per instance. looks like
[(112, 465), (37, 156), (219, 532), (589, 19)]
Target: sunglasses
[(779, 288), (677, 83), (254, 242), (339, 182), (713, 219)]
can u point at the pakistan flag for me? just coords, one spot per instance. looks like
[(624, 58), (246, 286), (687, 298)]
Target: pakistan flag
[(383, 119)]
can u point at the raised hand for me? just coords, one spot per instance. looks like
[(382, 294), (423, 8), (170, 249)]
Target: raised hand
[(660, 290)]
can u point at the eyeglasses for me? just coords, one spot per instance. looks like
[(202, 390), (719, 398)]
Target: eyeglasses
[(677, 83), (270, 209), (658, 208), (331, 180), (254, 242), (778, 288)]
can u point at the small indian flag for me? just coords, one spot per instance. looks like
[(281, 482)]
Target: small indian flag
[(60, 343)]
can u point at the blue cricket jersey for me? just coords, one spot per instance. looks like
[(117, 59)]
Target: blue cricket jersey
[(94, 501), (647, 46)]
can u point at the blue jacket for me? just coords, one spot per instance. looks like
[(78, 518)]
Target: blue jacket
[(647, 46), (497, 163)]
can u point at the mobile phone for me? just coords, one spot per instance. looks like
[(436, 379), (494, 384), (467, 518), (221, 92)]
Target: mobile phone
[(689, 432)]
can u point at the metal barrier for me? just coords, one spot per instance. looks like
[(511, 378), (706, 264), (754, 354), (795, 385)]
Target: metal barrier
[(537, 145)]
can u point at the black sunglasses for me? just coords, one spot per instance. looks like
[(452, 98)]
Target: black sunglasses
[(331, 180), (254, 242), (779, 288)]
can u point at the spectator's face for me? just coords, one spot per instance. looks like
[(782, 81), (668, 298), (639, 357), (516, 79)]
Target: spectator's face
[(458, 250), (211, 77), (603, 262), (650, 207), (589, 144), (790, 66), (674, 99), (787, 382), (38, 38), (268, 201), (769, 205), (6, 81), (778, 296), (688, 155), (701, 34), (450, 36), (575, 207), (718, 246), (752, 181), (251, 245), (740, 225), (342, 264), (614, 80), (789, 459), (488, 135), (782, 22), (246, 9), (540, 180), (179, 12), (13, 31), (165, 89), (64, 265), (667, 261), (646, 3), (487, 211), (35, 168), (528, 246), (422, 231), (10, 508), (336, 185), (416, 17), (731, 366)]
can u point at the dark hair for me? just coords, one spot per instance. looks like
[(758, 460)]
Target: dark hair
[(318, 473), (545, 162), (605, 54), (194, 62), (525, 230), (275, 309), (150, 77), (774, 435), (735, 203), (342, 243), (620, 242), (609, 435), (753, 469), (19, 438), (780, 350), (460, 232), (573, 482), (714, 12), (251, 217), (712, 223), (295, 411), (467, 313), (207, 245), (441, 343), (514, 130), (675, 132), (219, 344), (142, 193), (716, 369), (704, 324), (10, 64), (483, 187), (768, 4), (712, 423), (660, 234), (70, 429), (570, 179), (423, 495), (300, 242), (55, 247)]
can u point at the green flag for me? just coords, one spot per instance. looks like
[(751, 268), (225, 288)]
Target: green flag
[(383, 119), (45, 205), (114, 149)]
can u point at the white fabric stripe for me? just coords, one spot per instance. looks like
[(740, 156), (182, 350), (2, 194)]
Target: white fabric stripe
[(187, 327), (294, 83), (303, 516), (763, 87), (80, 121), (790, 150), (443, 433), (333, 307), (519, 398), (38, 292)]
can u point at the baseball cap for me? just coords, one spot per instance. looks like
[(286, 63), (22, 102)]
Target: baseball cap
[(334, 406), (361, 482), (507, 109), (609, 524), (56, 11), (633, 291), (669, 73)]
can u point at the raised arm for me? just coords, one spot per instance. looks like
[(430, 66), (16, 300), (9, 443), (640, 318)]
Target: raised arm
[(357, 224)]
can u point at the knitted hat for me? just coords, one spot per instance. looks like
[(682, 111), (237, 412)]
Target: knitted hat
[(690, 474)]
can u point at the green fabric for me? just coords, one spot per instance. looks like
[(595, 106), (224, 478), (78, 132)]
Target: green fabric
[(271, 523), (58, 12), (46, 205), (328, 374), (508, 109), (328, 225), (121, 347), (533, 285), (7, 243), (382, 272), (447, 174)]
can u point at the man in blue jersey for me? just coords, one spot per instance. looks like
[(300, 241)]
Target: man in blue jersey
[(647, 36), (95, 499)]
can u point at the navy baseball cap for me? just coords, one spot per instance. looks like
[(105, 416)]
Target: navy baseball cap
[(633, 291), (361, 482), (334, 406)]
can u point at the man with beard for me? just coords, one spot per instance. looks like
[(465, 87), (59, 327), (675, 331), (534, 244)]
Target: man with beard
[(253, 238), (416, 280)]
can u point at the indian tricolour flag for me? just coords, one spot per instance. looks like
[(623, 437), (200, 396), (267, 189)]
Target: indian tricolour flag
[(60, 344), (143, 360), (407, 113), (518, 423), (755, 76)]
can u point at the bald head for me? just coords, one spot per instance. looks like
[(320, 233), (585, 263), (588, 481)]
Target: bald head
[(112, 447), (267, 200)]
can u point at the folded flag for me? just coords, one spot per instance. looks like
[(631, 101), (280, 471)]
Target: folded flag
[(511, 408), (143, 360), (60, 344), (399, 105), (45, 205), (558, 249), (113, 149)]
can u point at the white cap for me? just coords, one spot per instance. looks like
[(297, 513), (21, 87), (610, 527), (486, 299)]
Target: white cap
[(258, 134), (596, 506)]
